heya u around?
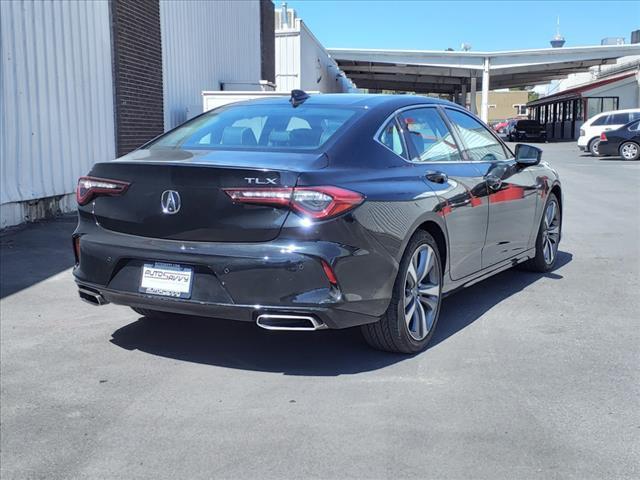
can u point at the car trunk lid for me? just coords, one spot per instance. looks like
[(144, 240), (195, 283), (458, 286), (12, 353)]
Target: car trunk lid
[(178, 194)]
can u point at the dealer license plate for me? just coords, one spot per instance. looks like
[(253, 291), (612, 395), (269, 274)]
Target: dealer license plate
[(166, 279)]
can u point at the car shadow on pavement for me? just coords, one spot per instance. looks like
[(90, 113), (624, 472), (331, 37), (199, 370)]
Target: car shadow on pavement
[(465, 307), (618, 159), (34, 252), (243, 345)]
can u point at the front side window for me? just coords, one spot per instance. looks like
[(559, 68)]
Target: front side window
[(429, 135), (392, 139), (258, 127), (478, 141)]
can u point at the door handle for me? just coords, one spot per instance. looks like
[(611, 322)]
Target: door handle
[(437, 177), (493, 182)]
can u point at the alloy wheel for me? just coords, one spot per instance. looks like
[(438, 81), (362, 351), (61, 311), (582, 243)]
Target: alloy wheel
[(551, 232), (422, 292), (629, 151)]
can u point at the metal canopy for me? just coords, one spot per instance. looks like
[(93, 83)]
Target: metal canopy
[(423, 71)]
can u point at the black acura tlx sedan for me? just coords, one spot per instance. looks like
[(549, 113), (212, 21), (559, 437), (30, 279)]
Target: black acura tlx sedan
[(314, 212)]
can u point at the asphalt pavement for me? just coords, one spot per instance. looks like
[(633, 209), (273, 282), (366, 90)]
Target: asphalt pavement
[(529, 375)]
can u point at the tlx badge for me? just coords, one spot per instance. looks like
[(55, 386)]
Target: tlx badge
[(261, 181)]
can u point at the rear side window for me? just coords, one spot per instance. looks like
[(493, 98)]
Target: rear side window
[(391, 138), (618, 119), (429, 135), (259, 127), (635, 126), (478, 141)]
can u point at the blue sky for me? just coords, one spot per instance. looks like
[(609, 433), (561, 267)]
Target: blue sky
[(501, 25)]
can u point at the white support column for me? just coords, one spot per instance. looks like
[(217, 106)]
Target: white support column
[(472, 96), (463, 95), (484, 111)]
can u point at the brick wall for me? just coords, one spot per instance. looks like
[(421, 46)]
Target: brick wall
[(137, 71)]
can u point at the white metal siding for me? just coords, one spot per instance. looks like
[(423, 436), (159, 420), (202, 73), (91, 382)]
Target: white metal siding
[(211, 100), (627, 91), (56, 96), (287, 60), (302, 62), (205, 44)]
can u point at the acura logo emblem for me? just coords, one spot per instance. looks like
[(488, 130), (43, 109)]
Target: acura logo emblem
[(170, 202)]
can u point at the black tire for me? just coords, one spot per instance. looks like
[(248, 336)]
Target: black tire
[(593, 147), (630, 151), (391, 333), (540, 263), (156, 314)]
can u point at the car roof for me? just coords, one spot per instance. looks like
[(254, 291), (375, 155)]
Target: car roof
[(361, 100), (609, 112)]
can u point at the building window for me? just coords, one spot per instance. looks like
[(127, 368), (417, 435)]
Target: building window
[(560, 116), (521, 109), (578, 113), (597, 105)]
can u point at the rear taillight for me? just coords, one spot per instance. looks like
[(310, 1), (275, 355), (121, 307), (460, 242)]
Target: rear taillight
[(316, 202), (91, 187), (603, 137)]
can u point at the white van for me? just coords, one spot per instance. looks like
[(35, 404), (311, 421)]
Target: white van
[(592, 128)]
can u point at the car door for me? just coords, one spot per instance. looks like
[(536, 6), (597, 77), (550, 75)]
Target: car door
[(511, 189), (433, 150)]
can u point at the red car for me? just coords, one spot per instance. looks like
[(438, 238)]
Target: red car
[(498, 127)]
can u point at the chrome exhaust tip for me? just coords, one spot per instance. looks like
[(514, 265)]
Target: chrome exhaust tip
[(301, 323), (91, 296)]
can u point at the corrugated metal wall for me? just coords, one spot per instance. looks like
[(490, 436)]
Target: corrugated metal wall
[(205, 44), (56, 96), (287, 60)]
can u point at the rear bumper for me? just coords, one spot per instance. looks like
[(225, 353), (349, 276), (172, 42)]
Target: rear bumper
[(330, 315), (607, 148), (237, 280), (536, 137)]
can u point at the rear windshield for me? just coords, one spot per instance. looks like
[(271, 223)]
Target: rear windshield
[(259, 127), (527, 123)]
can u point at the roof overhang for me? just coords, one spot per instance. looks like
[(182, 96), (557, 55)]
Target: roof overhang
[(426, 71), (579, 91)]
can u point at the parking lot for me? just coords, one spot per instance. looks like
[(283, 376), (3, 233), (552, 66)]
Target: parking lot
[(529, 376)]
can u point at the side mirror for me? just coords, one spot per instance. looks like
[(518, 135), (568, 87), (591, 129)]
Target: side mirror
[(528, 154)]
